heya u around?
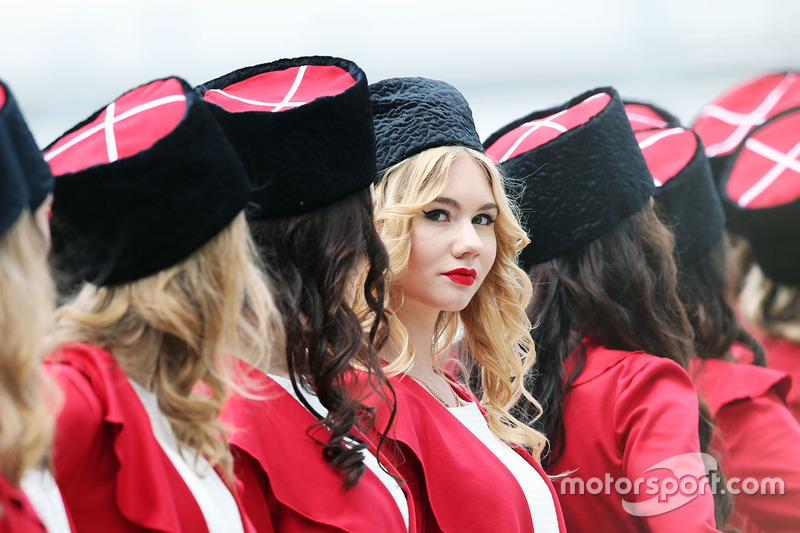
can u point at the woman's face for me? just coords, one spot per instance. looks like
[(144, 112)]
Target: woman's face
[(453, 242)]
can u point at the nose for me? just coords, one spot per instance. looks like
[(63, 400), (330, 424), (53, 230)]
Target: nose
[(467, 241)]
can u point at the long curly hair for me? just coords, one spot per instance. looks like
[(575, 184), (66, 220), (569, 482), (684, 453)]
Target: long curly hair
[(495, 328), (703, 289), (179, 328), (622, 289), (28, 398), (314, 261)]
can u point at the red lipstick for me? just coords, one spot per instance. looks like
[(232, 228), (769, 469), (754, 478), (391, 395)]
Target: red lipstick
[(462, 276)]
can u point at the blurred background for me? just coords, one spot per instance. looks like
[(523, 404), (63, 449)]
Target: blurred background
[(65, 59)]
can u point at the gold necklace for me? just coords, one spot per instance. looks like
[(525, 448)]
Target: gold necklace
[(436, 394)]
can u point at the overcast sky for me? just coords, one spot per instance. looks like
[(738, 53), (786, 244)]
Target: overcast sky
[(64, 59)]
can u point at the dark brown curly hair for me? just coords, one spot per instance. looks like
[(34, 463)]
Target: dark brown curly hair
[(621, 288), (312, 260)]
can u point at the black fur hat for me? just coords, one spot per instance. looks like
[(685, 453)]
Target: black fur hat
[(302, 128), (581, 168), (415, 114), (645, 116), (686, 194), (141, 185), (724, 123), (760, 190), (21, 158), (14, 197)]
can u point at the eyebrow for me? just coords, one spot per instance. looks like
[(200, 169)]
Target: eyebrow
[(449, 201)]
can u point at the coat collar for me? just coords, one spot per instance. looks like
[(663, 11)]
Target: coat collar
[(279, 433), (143, 494)]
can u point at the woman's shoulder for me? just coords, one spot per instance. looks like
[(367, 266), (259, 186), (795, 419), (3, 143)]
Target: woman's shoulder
[(723, 382)]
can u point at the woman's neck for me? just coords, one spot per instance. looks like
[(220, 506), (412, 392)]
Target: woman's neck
[(420, 322)]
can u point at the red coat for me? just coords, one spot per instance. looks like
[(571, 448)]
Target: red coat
[(625, 413), (16, 513), (784, 356), (757, 438), (458, 485), (112, 472), (289, 486)]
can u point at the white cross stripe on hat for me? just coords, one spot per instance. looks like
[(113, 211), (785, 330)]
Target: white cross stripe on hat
[(285, 102), (744, 122), (547, 122), (783, 161), (643, 119), (107, 126), (533, 126), (653, 139)]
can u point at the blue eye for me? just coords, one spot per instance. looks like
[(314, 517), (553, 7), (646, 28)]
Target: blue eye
[(483, 220), (437, 215)]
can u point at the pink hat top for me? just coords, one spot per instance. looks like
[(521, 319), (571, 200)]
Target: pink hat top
[(132, 123), (279, 90), (541, 131), (766, 172), (724, 123), (666, 151)]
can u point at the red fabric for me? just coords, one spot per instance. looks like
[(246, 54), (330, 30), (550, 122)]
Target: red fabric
[(457, 483), (112, 472), (279, 90), (541, 131), (2, 96), (666, 151), (129, 125), (289, 487), (625, 413), (766, 172), (757, 437), (723, 124), (644, 117), (16, 513), (782, 355)]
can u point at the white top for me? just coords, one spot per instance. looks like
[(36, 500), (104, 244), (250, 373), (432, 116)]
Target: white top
[(369, 460), (540, 499), (213, 497), (41, 490)]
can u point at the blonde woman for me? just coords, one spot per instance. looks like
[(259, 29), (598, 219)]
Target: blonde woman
[(26, 311), (148, 212), (452, 238)]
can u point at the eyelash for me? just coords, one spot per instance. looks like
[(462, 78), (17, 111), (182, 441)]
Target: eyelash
[(434, 213)]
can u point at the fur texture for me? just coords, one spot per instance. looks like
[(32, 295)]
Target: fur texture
[(25, 178), (302, 159), (414, 114), (125, 220), (579, 185), (692, 207)]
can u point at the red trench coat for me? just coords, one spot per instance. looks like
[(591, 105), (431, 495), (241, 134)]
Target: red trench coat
[(113, 474), (625, 413), (458, 485), (16, 513), (289, 486), (757, 437)]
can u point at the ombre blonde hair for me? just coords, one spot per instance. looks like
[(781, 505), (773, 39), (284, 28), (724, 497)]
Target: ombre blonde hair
[(772, 307), (27, 397), (496, 330), (179, 328)]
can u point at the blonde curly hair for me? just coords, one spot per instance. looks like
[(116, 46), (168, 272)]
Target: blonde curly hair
[(496, 330), (179, 328), (28, 398)]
